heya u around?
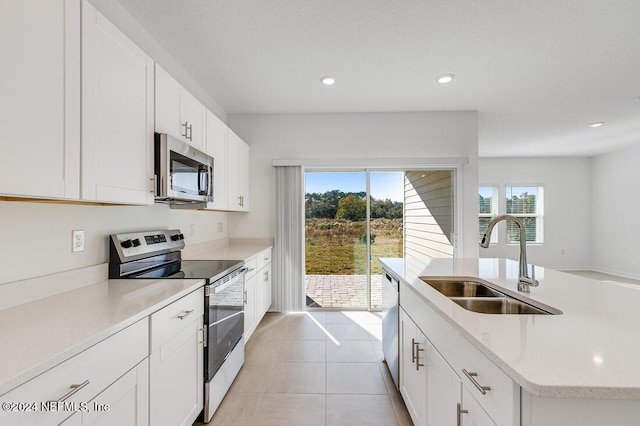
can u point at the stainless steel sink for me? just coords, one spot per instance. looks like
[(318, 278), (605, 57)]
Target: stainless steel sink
[(464, 288), (479, 297), (505, 305)]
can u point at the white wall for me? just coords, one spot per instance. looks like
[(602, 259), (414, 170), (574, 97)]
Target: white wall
[(36, 237), (352, 135), (615, 227), (567, 207)]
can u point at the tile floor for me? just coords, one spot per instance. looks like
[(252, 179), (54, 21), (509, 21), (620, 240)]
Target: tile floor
[(314, 368)]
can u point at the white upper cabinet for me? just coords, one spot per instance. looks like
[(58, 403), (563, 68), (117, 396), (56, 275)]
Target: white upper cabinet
[(217, 148), (237, 173), (178, 113), (40, 98), (117, 114)]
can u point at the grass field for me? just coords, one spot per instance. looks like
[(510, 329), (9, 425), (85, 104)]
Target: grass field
[(337, 247)]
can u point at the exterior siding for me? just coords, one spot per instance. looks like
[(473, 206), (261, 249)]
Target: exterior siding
[(428, 213)]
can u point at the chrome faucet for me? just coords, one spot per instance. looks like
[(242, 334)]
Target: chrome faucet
[(524, 281)]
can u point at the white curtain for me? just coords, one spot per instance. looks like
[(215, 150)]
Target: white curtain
[(288, 255)]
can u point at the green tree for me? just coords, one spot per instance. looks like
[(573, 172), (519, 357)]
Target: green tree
[(352, 208)]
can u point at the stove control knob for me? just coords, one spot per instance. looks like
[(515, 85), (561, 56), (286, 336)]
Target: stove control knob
[(135, 242), (126, 244), (177, 237)]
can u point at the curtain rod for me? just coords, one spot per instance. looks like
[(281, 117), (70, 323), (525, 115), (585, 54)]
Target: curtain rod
[(365, 163)]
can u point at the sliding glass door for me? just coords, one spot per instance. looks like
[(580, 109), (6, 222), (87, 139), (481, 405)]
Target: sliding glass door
[(336, 240), (351, 219)]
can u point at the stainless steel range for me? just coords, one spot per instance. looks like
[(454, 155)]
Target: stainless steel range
[(157, 254)]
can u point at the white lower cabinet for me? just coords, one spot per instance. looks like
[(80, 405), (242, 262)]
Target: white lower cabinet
[(250, 313), (124, 403), (98, 374), (438, 391), (257, 287), (176, 362), (413, 377), (263, 283), (471, 413), (443, 406)]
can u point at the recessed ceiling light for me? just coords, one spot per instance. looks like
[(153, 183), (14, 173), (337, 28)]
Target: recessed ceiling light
[(596, 124), (445, 78), (328, 80)]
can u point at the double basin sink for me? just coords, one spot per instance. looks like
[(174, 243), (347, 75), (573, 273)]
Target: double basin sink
[(479, 297)]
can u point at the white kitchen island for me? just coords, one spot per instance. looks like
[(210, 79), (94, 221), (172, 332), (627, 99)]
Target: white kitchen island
[(578, 367)]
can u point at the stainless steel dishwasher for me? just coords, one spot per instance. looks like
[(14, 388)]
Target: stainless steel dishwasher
[(390, 324)]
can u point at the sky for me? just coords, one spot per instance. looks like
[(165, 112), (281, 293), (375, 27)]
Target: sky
[(384, 185)]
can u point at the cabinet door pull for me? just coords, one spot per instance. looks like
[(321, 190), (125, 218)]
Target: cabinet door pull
[(413, 350), (418, 350), (471, 376), (190, 129), (244, 297), (459, 414), (74, 388), (186, 314), (186, 126)]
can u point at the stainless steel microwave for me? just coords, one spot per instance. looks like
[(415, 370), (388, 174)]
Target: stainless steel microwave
[(183, 174)]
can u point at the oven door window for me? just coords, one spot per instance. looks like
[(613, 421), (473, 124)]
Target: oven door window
[(226, 322), (188, 176)]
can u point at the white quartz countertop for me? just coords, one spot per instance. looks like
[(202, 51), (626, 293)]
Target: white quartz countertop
[(589, 351), (38, 335)]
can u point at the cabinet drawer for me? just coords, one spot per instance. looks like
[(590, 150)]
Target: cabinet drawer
[(88, 374), (501, 402), (263, 258), (170, 320), (252, 267)]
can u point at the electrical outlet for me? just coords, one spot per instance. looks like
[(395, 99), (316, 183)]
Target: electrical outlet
[(77, 240), (192, 230), (220, 227)]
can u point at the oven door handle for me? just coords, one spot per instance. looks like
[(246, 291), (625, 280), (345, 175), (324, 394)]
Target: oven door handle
[(222, 287)]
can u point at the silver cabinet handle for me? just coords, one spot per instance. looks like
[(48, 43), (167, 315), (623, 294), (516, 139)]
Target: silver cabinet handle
[(74, 388), (186, 126), (471, 376), (186, 314), (413, 350), (244, 297), (190, 129), (266, 276), (459, 413), (418, 350)]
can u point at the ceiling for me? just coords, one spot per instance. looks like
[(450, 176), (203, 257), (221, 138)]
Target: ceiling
[(538, 72)]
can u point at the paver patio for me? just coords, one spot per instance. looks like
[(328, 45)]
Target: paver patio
[(342, 291)]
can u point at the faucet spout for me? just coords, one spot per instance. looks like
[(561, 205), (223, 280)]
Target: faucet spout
[(524, 280)]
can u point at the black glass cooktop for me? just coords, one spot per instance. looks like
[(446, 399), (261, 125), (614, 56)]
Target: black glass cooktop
[(198, 269)]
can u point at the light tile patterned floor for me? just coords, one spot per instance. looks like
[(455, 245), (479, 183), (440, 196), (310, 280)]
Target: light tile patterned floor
[(315, 368), (343, 291)]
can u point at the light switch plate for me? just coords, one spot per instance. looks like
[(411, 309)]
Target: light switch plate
[(77, 240)]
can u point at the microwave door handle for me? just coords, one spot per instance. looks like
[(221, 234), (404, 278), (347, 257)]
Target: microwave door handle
[(203, 178)]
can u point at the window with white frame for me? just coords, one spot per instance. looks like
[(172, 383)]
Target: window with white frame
[(526, 204), (488, 206)]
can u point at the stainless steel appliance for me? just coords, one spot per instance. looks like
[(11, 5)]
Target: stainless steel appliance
[(157, 254), (390, 341), (183, 174)]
